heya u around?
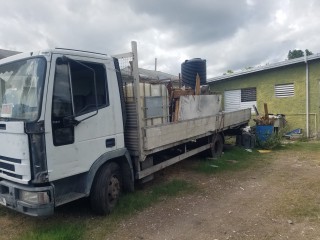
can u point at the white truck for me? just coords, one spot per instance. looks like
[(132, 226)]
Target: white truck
[(68, 131)]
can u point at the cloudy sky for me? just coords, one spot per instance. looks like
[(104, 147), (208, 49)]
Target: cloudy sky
[(230, 34)]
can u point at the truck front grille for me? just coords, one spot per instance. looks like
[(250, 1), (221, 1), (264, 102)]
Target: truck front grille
[(11, 174), (7, 166), (8, 159)]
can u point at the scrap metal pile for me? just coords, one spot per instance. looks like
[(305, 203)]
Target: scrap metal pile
[(264, 119)]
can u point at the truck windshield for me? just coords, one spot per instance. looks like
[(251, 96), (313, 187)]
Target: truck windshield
[(21, 85)]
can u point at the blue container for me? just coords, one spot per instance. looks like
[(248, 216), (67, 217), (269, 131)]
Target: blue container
[(263, 132), (189, 70)]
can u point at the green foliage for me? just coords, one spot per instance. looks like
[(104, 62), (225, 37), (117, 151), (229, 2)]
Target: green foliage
[(273, 141), (247, 68), (295, 54), (62, 231), (229, 71), (298, 53), (308, 52)]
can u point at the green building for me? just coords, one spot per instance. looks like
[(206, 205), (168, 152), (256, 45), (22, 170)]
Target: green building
[(291, 87)]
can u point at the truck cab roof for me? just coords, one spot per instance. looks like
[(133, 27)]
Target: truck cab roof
[(47, 53)]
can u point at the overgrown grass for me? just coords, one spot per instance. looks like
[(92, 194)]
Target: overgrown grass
[(238, 158), (234, 159), (62, 231), (310, 146), (69, 227), (132, 203)]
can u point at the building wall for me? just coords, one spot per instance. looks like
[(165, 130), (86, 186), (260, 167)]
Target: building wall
[(293, 107)]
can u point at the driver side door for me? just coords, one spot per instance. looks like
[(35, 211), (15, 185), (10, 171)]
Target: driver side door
[(80, 91)]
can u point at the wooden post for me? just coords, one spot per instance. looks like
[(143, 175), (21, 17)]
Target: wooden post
[(176, 112), (266, 113), (197, 88), (136, 90)]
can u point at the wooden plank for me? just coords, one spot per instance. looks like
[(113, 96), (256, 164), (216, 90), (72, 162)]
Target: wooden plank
[(179, 92), (255, 110)]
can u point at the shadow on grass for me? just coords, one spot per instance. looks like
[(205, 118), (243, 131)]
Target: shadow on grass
[(76, 220), (234, 158)]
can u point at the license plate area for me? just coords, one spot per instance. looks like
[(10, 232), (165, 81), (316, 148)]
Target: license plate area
[(3, 201)]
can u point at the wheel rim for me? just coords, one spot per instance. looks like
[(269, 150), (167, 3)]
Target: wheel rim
[(113, 189)]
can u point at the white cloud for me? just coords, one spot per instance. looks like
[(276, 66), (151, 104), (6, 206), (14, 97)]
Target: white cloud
[(281, 17), (229, 34)]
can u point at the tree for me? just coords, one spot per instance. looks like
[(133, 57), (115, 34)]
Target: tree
[(295, 54), (298, 53), (308, 52)]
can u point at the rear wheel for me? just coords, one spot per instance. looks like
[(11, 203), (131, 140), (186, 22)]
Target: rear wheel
[(106, 189), (217, 146)]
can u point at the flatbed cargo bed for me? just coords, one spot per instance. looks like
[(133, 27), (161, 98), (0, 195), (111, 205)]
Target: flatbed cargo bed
[(159, 136)]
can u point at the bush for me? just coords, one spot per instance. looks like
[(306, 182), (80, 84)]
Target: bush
[(273, 141)]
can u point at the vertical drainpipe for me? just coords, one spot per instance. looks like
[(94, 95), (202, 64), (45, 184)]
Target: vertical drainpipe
[(307, 94)]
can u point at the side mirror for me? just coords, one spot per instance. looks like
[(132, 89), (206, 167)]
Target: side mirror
[(70, 121), (62, 60)]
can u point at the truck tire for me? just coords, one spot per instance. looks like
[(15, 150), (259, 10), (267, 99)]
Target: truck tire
[(217, 146), (106, 189)]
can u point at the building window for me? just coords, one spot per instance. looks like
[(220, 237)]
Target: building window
[(240, 99), (248, 94), (284, 90)]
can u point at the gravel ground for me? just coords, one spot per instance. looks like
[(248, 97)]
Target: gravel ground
[(279, 200)]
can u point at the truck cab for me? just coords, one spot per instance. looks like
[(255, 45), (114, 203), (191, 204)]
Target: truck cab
[(60, 122)]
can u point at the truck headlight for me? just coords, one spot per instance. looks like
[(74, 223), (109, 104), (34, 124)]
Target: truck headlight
[(34, 197)]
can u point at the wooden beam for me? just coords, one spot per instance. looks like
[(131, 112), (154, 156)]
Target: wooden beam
[(197, 88), (266, 113)]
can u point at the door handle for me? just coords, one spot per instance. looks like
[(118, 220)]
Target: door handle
[(110, 142)]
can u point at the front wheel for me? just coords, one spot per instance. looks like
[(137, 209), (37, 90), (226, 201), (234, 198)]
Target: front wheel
[(106, 189)]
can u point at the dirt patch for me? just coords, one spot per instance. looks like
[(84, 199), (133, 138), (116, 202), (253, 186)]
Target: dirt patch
[(279, 200)]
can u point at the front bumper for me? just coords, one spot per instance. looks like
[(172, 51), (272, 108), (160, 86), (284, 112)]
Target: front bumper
[(9, 196)]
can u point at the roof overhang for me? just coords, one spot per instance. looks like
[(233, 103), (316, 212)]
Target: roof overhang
[(266, 67)]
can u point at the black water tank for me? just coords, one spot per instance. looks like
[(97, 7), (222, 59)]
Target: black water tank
[(189, 70)]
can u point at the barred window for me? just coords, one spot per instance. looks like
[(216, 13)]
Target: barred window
[(240, 99), (248, 94)]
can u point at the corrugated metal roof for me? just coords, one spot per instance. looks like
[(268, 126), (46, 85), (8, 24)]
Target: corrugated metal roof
[(7, 53), (266, 67), (151, 74)]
